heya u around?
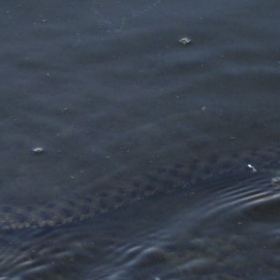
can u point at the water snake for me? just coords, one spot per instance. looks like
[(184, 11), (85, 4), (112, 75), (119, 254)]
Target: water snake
[(195, 172)]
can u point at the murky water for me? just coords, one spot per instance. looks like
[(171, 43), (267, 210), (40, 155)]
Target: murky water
[(101, 100)]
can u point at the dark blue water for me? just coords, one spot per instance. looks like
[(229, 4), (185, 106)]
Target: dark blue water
[(108, 94)]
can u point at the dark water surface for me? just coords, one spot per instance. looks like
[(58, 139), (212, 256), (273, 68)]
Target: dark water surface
[(99, 98)]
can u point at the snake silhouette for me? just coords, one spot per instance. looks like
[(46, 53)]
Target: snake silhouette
[(77, 208)]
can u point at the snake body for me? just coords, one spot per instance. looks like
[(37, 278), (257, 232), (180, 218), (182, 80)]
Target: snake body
[(163, 180)]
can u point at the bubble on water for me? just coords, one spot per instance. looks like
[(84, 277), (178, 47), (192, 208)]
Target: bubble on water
[(275, 181), (185, 41), (37, 150)]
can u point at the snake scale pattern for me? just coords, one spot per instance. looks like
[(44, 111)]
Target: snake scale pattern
[(164, 180)]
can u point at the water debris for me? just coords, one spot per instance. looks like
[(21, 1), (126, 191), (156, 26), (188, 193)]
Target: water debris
[(253, 169), (37, 150), (185, 41)]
